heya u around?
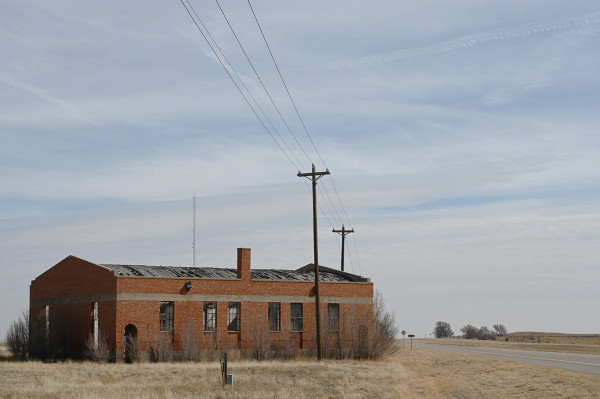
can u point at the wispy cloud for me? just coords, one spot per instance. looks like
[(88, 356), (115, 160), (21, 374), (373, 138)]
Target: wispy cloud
[(70, 110), (586, 24)]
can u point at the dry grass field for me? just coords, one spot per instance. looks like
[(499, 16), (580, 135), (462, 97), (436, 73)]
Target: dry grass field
[(554, 338), (532, 342), (420, 373)]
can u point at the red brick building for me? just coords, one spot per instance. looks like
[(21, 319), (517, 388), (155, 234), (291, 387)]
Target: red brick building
[(141, 311)]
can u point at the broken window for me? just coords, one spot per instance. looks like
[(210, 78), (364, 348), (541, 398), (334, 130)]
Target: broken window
[(233, 316), (296, 320), (210, 316), (333, 314), (166, 316), (274, 316)]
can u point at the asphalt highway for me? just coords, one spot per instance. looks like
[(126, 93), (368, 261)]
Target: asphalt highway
[(589, 364)]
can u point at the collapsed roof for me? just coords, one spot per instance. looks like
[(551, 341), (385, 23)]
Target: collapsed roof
[(305, 273)]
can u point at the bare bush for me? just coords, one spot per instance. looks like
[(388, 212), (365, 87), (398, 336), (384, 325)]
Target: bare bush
[(288, 348), (385, 330), (260, 341), (486, 333), (472, 332), (499, 329), (212, 344), (341, 340), (161, 349), (191, 342), (97, 351), (442, 330), (17, 337)]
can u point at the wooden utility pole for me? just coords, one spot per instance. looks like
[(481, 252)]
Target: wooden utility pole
[(314, 176), (343, 232)]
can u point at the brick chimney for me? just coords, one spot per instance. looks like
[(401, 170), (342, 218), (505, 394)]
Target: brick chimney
[(243, 263)]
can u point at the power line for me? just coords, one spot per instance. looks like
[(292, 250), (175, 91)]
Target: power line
[(299, 116), (284, 84), (261, 82), (223, 57), (244, 85), (232, 79)]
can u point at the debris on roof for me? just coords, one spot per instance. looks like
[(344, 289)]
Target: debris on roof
[(305, 273)]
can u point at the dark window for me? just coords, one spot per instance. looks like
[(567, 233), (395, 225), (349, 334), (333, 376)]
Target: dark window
[(296, 321), (274, 316), (210, 316), (166, 316), (233, 316), (333, 313)]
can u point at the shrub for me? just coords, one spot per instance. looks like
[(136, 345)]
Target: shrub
[(97, 351), (17, 337), (472, 332), (442, 330), (385, 330), (499, 329)]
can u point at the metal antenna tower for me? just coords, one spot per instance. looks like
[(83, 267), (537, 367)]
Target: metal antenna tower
[(194, 235)]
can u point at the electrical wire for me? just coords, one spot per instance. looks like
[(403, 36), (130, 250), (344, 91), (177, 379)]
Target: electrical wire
[(244, 85), (261, 82), (233, 80), (223, 57), (298, 114)]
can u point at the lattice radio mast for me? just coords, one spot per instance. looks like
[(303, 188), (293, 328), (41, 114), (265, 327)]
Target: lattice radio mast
[(194, 235)]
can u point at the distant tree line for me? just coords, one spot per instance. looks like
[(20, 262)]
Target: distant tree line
[(443, 330)]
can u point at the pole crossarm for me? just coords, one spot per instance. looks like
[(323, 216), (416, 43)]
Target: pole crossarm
[(314, 176), (343, 231)]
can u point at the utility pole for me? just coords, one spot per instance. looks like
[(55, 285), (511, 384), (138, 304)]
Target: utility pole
[(314, 176), (343, 232)]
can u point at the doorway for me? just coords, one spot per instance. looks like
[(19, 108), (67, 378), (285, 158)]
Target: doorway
[(131, 345)]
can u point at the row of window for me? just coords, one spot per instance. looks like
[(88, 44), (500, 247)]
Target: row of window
[(233, 316)]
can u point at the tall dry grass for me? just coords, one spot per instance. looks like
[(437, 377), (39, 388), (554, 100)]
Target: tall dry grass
[(420, 373), (556, 346)]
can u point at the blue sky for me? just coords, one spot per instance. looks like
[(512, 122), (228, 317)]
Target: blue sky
[(462, 139)]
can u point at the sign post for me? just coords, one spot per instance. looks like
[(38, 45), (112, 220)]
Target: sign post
[(411, 336), (403, 334)]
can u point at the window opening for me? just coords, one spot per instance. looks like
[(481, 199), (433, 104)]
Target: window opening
[(296, 314), (233, 316), (333, 313), (166, 316), (274, 313), (210, 316)]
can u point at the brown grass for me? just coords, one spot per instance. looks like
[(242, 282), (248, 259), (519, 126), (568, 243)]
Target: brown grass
[(420, 373), (554, 338), (551, 344)]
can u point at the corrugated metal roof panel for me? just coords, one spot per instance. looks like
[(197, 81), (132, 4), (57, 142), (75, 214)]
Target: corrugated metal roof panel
[(303, 274)]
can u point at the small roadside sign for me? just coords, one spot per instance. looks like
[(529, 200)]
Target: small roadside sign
[(411, 336)]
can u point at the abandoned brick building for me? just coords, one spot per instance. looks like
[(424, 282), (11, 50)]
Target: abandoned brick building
[(137, 309)]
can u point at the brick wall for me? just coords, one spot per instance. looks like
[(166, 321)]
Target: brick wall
[(71, 287)]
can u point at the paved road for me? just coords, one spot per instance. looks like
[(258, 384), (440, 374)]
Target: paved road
[(589, 364)]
